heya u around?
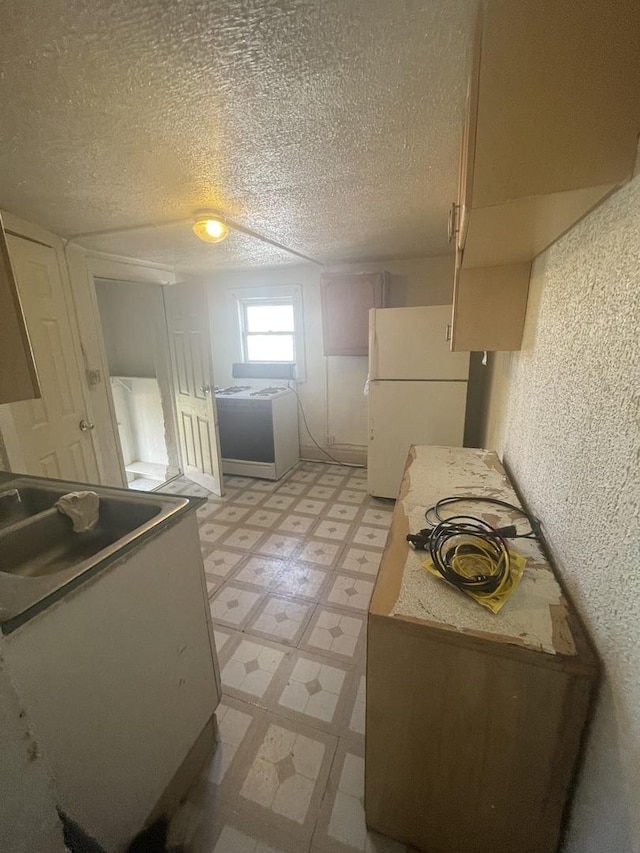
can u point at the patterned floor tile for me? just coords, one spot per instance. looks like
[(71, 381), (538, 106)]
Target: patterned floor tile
[(310, 506), (301, 476), (221, 639), (381, 517), (341, 827), (331, 480), (317, 551), (260, 571), (360, 560), (292, 488), (350, 592), (373, 537), (330, 529), (279, 545), (244, 538), (295, 523), (314, 689), (357, 483), (281, 619), (279, 501), (249, 498), (232, 728), (239, 482), (251, 668), (221, 562), (284, 773), (232, 606), (322, 493), (231, 832), (213, 583), (298, 580), (290, 566), (351, 496), (266, 485), (211, 531), (262, 518), (335, 633), (230, 514), (343, 512)]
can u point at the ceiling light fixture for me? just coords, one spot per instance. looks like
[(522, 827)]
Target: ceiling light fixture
[(209, 226)]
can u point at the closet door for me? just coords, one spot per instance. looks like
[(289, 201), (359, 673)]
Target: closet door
[(188, 322)]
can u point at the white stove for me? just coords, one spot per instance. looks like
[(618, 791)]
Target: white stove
[(258, 429)]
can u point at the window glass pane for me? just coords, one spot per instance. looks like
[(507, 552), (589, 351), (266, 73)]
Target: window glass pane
[(269, 318), (270, 348)]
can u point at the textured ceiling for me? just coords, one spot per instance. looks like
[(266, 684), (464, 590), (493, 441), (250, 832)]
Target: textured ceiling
[(331, 126)]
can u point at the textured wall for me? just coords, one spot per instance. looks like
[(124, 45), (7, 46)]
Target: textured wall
[(565, 414)]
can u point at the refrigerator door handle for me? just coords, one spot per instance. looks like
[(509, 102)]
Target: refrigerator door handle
[(373, 347)]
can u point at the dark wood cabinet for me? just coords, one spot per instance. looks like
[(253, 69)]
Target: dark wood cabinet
[(346, 300), (18, 378)]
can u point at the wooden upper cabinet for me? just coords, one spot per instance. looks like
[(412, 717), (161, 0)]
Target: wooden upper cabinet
[(346, 300), (552, 122), (18, 377)]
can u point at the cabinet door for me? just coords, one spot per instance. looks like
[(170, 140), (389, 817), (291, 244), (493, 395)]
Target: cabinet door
[(346, 300), (468, 143), (18, 378), (489, 307)]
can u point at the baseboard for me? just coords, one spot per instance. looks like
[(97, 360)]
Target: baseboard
[(350, 455), (200, 753)]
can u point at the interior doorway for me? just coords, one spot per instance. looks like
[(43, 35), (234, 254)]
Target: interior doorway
[(134, 331)]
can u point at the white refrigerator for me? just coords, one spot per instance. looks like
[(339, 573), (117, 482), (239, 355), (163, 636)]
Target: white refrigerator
[(417, 389)]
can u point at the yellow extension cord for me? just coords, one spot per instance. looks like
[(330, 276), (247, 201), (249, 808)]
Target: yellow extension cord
[(483, 562)]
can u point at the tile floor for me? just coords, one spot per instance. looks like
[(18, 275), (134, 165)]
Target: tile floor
[(290, 568)]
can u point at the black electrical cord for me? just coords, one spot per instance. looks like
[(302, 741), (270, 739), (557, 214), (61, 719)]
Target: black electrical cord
[(433, 515), (467, 551)]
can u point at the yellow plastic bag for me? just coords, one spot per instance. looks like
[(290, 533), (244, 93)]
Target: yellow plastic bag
[(496, 601)]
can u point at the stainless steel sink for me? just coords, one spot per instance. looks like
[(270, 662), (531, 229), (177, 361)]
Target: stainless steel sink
[(40, 554), (46, 543), (18, 503)]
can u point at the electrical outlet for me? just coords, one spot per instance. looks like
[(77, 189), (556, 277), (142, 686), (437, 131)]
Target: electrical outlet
[(331, 439)]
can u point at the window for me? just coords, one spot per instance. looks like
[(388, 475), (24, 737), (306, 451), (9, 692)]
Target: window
[(268, 330), (270, 325)]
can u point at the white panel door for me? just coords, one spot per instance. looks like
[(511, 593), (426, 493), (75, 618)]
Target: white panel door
[(406, 413), (413, 343), (188, 323), (49, 432)]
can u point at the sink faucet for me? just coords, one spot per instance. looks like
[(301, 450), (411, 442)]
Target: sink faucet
[(10, 493)]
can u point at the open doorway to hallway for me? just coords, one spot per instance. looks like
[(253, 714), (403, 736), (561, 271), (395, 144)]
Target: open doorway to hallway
[(134, 331)]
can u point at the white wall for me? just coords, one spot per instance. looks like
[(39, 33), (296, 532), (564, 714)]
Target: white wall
[(565, 415), (126, 311), (333, 392), (140, 419)]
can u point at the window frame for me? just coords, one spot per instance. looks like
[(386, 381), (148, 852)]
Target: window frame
[(284, 295)]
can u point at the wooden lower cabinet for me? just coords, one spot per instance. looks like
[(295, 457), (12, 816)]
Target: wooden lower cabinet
[(474, 720)]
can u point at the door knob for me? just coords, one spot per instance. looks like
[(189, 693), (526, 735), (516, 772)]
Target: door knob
[(205, 389), (86, 425)]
